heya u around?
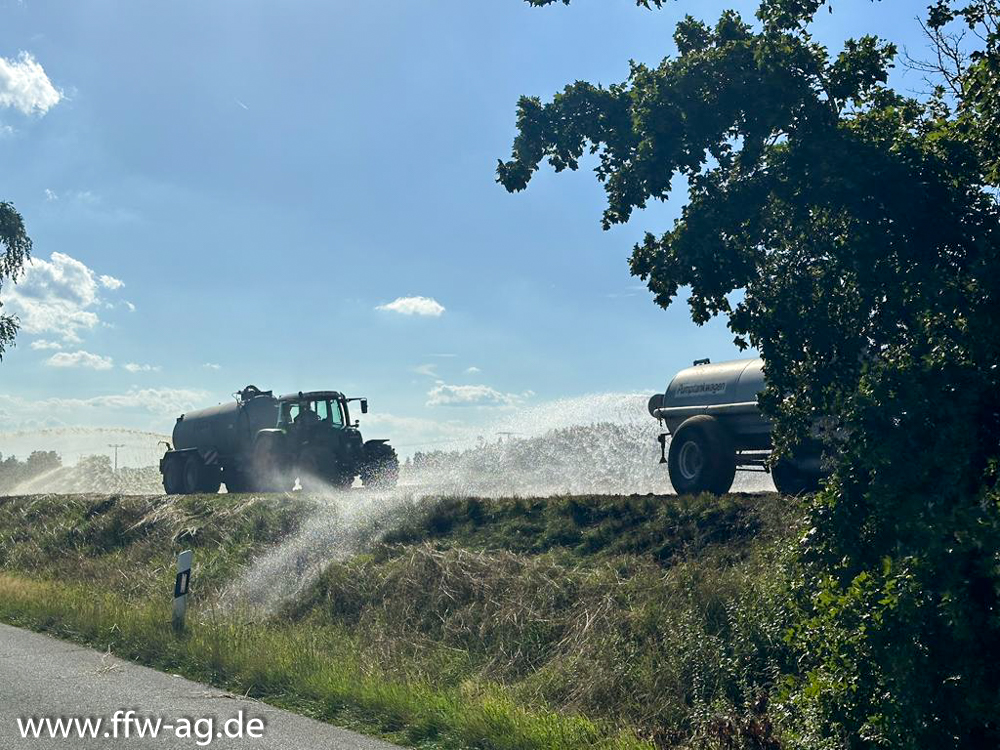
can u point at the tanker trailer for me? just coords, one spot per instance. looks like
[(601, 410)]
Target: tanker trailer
[(715, 427), (263, 443)]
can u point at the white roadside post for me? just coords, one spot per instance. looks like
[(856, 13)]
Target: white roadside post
[(181, 584)]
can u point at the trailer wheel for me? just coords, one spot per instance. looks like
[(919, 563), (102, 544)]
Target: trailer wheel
[(702, 457), (173, 476), (789, 479), (192, 478)]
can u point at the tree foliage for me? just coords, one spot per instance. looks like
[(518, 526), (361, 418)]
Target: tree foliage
[(852, 235), (16, 250), (14, 472)]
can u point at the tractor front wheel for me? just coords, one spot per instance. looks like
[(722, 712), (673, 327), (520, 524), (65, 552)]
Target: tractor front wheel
[(380, 469)]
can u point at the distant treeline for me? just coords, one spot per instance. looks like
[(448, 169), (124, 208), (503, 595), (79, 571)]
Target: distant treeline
[(43, 472), (13, 471)]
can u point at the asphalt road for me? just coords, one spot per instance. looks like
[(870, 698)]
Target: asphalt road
[(44, 677)]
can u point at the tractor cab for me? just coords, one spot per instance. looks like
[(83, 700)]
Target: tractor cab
[(324, 408), (319, 441)]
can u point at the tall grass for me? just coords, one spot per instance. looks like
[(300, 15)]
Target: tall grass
[(520, 623), (303, 666)]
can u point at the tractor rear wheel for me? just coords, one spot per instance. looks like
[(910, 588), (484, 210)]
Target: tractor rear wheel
[(270, 473), (702, 457), (316, 474)]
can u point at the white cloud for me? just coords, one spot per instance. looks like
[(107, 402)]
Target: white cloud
[(80, 359), (471, 395), (129, 305), (43, 344), (57, 296), (51, 195), (25, 86), (135, 367), (212, 366), (426, 306), (110, 282), (428, 370), (164, 404), (472, 370), (164, 401)]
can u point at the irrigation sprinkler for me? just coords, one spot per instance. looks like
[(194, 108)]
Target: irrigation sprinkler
[(181, 584)]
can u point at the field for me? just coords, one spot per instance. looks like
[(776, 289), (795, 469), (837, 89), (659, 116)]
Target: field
[(569, 622)]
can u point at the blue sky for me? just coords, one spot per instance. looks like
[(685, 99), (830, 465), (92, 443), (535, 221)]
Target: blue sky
[(230, 192)]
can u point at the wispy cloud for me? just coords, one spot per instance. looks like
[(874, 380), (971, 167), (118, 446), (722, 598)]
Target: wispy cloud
[(444, 394), (162, 403), (135, 367), (472, 370), (425, 306), (80, 358), (212, 366), (43, 345), (428, 370)]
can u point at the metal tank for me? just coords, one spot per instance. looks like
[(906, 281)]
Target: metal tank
[(715, 428), (229, 428), (725, 390)]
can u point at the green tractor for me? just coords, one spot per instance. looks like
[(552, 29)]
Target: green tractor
[(262, 443)]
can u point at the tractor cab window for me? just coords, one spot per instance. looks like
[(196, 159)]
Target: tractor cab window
[(322, 409), (317, 411), (329, 412), (289, 411)]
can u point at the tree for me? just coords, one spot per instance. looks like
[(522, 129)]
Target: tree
[(14, 472), (852, 235), (16, 246)]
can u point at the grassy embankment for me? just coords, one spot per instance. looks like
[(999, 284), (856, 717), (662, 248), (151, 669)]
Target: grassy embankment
[(565, 623)]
